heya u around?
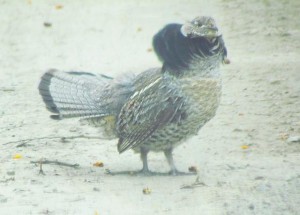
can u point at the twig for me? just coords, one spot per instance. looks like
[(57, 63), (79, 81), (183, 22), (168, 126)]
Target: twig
[(23, 145), (51, 138), (41, 172), (56, 162), (7, 180), (7, 89), (197, 183)]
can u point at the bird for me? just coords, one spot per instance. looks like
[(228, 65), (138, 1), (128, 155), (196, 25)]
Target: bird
[(157, 109)]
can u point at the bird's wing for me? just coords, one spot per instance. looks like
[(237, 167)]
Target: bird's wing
[(149, 109)]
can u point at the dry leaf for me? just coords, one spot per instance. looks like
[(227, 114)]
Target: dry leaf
[(58, 7), (244, 146), (17, 156), (149, 50), (284, 136), (193, 169), (146, 191), (99, 164)]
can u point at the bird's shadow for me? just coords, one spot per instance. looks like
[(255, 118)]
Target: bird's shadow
[(141, 173)]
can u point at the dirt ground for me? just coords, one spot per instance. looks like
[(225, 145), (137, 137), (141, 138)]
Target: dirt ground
[(248, 156)]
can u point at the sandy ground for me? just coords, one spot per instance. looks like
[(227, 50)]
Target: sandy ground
[(245, 155)]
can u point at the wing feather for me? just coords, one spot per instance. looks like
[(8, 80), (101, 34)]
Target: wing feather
[(153, 107)]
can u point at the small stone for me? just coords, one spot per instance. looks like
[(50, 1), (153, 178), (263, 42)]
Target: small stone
[(259, 178), (230, 167), (251, 207), (293, 139), (193, 169), (253, 31), (3, 199), (285, 34), (74, 129), (10, 173), (237, 130), (226, 61), (96, 189), (275, 82), (64, 140), (47, 24)]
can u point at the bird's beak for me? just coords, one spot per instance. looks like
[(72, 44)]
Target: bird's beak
[(190, 31), (211, 32)]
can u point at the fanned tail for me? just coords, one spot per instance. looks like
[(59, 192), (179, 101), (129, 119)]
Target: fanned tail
[(73, 94)]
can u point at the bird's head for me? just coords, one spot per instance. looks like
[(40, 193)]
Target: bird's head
[(202, 26)]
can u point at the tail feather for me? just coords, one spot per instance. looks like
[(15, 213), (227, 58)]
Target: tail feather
[(72, 94)]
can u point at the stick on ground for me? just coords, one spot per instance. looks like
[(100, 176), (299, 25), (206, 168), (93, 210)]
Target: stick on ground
[(55, 162)]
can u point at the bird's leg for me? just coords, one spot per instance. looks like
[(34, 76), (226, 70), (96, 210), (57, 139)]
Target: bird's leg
[(144, 154), (174, 171), (169, 156)]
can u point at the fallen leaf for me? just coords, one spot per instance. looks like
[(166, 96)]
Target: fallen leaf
[(284, 136), (149, 50), (99, 164), (58, 7), (193, 169), (146, 191), (244, 146), (17, 156)]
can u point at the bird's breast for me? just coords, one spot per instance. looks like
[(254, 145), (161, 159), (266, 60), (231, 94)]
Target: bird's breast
[(203, 96)]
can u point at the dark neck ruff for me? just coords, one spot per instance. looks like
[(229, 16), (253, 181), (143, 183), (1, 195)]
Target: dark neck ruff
[(178, 52)]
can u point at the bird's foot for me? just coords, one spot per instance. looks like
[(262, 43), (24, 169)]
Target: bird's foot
[(147, 172), (175, 172), (142, 172)]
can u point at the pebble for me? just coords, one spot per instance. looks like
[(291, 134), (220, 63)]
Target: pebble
[(10, 173), (251, 207), (96, 189), (3, 200), (293, 139), (47, 24)]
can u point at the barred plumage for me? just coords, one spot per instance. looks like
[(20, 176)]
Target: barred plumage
[(157, 109)]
